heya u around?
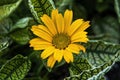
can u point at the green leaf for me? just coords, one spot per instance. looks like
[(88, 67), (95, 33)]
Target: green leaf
[(98, 60), (22, 23), (117, 8), (3, 2), (99, 52), (96, 73), (15, 69), (2, 61), (79, 65), (7, 9), (21, 36), (4, 43), (5, 40), (5, 26), (40, 7), (108, 27)]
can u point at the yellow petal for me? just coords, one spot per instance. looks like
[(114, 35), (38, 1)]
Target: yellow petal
[(44, 29), (39, 44), (82, 48), (58, 55), (68, 56), (84, 26), (60, 23), (47, 52), (51, 61), (49, 23), (38, 41), (73, 48), (42, 34), (74, 26), (41, 47), (79, 37), (68, 15), (54, 15), (85, 40)]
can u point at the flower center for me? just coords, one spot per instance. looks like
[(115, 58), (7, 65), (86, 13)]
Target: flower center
[(61, 41)]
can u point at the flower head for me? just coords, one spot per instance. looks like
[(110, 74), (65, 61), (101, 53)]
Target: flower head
[(59, 37)]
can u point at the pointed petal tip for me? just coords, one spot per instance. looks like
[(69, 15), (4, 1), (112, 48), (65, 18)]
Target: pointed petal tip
[(51, 62)]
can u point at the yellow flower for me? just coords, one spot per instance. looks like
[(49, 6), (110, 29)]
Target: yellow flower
[(59, 37)]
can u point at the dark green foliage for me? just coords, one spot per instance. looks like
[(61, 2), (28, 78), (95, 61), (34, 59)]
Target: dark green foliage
[(98, 60), (15, 69), (6, 9), (98, 52), (40, 7)]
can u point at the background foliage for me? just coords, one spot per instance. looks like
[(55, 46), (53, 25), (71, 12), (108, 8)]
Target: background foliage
[(20, 62)]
